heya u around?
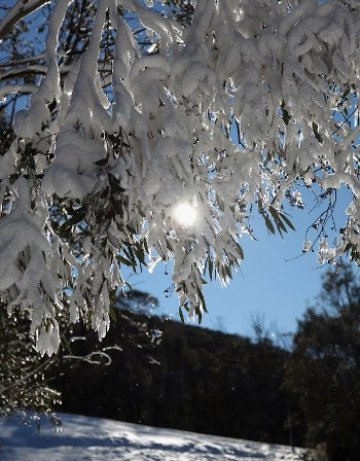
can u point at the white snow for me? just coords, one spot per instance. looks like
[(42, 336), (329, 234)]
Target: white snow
[(95, 439), (284, 74)]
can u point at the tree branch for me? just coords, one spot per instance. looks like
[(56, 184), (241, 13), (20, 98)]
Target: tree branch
[(11, 89), (35, 69), (20, 10)]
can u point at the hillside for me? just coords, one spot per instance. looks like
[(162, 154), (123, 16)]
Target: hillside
[(167, 374), (93, 439)]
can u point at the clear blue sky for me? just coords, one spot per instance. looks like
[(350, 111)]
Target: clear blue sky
[(271, 285)]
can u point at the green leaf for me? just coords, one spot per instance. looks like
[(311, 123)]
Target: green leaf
[(287, 221), (140, 256), (240, 250), (279, 224), (211, 268), (101, 162), (181, 315), (75, 219), (125, 261), (269, 224), (146, 248), (112, 314), (317, 134), (202, 299), (228, 271)]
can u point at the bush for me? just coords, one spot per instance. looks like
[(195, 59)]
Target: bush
[(324, 370)]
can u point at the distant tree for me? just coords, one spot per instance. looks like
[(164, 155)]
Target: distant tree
[(153, 129), (324, 369), (136, 300)]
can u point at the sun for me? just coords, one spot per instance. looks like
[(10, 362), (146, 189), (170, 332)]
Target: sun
[(185, 214)]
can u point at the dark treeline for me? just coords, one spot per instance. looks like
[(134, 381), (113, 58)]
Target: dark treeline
[(188, 378)]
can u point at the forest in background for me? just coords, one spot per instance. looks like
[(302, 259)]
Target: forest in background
[(188, 378), (156, 371)]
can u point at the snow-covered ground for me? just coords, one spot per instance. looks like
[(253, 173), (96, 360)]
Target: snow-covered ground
[(95, 439)]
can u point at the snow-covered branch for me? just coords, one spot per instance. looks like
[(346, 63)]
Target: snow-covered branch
[(16, 89), (140, 164)]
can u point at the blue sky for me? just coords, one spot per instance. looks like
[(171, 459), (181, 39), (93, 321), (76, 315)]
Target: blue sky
[(275, 284)]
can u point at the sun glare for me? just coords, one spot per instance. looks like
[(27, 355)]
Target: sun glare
[(185, 214)]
